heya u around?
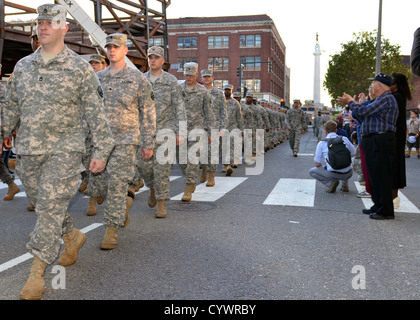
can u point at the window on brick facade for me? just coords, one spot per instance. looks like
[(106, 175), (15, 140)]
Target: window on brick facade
[(251, 63), (182, 61), (156, 42), (220, 83), (187, 43), (253, 85), (217, 42), (218, 64), (250, 41)]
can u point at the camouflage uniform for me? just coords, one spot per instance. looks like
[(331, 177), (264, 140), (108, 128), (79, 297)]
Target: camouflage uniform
[(127, 98), (295, 118), (170, 110), (220, 113), (200, 115), (235, 121), (5, 176), (50, 99), (255, 122)]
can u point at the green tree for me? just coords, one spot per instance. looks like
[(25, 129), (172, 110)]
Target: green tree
[(349, 70)]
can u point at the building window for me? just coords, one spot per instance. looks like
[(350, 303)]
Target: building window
[(220, 83), (156, 42), (217, 42), (250, 41), (183, 61), (253, 85), (218, 64), (187, 43), (251, 63)]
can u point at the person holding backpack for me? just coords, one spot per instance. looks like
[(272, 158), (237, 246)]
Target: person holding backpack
[(337, 152)]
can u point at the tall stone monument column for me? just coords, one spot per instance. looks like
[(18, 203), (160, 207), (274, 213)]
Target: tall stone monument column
[(317, 81)]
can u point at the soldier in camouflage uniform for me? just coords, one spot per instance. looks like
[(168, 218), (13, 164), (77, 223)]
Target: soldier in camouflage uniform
[(256, 122), (129, 108), (235, 123), (220, 113), (199, 116), (49, 92), (295, 120), (170, 110), (5, 175)]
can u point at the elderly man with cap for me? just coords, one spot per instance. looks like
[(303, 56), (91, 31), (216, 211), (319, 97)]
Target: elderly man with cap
[(295, 121), (235, 124), (49, 92), (130, 110), (378, 128), (170, 111), (220, 113), (200, 116)]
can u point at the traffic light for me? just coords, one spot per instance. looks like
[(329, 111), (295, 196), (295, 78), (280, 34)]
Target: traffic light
[(282, 103), (270, 67), (238, 71)]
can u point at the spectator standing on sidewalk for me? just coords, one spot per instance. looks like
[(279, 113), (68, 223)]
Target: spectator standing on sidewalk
[(413, 130)]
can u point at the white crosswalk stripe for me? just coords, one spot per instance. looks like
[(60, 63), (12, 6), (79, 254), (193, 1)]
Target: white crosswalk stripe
[(405, 204), (293, 192), (223, 185)]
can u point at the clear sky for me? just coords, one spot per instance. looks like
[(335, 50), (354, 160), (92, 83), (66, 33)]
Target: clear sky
[(298, 21)]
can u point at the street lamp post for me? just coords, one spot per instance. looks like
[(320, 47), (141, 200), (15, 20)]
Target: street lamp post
[(378, 41)]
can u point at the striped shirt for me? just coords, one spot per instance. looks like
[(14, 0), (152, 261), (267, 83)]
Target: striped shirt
[(378, 116)]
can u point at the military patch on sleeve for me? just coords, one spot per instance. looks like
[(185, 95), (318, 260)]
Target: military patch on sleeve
[(100, 92), (152, 95)]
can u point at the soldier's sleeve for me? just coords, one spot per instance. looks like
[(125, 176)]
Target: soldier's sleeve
[(223, 113), (147, 114), (240, 117), (209, 117), (178, 103), (10, 113), (93, 110)]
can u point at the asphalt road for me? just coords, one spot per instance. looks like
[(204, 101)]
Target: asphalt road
[(236, 247)]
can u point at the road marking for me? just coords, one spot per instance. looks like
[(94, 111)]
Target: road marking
[(293, 192), (5, 186), (405, 205), (24, 257), (222, 186)]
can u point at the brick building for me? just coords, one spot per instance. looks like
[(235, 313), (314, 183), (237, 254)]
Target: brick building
[(223, 43)]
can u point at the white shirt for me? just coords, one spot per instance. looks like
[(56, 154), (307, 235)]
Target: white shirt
[(321, 152)]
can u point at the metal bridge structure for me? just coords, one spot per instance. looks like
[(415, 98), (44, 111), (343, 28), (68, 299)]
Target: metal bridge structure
[(144, 22)]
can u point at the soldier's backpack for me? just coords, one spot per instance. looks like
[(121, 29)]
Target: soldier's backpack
[(339, 157)]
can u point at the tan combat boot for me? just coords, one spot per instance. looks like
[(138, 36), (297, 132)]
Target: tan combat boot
[(12, 190), (30, 207), (99, 200), (131, 190), (210, 182), (35, 286), (110, 240), (229, 170), (127, 216), (140, 185), (73, 241), (83, 185), (91, 211), (152, 199), (189, 189), (161, 209), (203, 177)]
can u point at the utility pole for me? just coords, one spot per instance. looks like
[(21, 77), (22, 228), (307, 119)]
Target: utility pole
[(378, 42)]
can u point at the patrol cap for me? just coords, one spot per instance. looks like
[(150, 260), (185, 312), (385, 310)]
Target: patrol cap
[(383, 78), (207, 73), (249, 95), (117, 39), (156, 50), (228, 86), (51, 11), (97, 58), (190, 68), (236, 94)]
